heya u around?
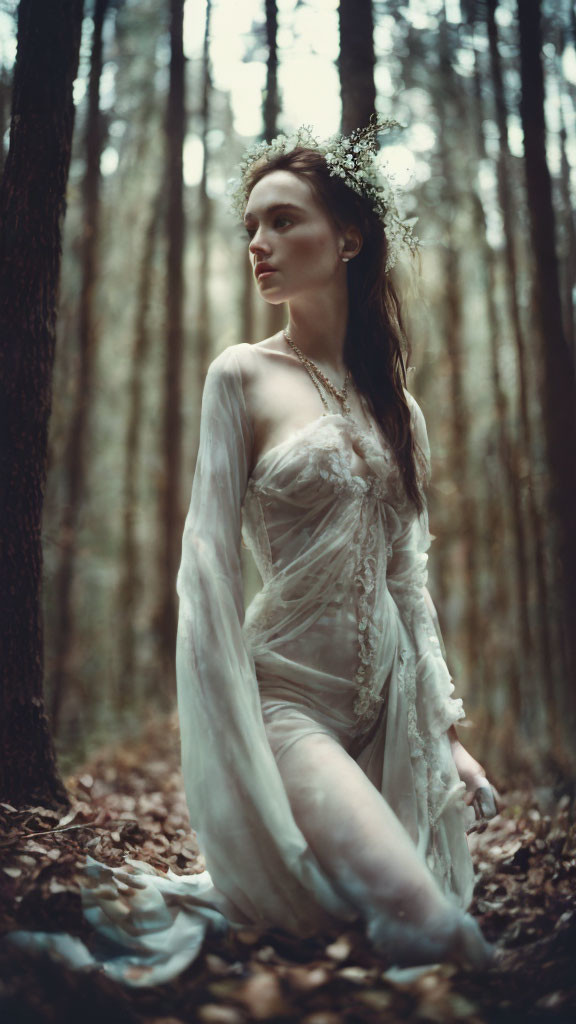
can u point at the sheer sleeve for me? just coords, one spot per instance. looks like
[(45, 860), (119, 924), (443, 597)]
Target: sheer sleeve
[(425, 538), (407, 581), (237, 802)]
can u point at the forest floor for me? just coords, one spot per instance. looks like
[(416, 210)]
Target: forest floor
[(128, 802)]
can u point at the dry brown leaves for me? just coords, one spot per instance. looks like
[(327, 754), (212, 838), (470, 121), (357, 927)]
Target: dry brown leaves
[(129, 802)]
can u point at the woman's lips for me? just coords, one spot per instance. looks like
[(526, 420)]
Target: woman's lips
[(265, 273)]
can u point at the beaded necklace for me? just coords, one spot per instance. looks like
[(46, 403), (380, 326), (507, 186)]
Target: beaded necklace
[(319, 378)]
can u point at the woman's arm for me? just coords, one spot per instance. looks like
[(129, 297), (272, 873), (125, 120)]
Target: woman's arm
[(237, 801)]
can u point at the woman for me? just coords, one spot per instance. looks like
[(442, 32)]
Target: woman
[(323, 773), (333, 760)]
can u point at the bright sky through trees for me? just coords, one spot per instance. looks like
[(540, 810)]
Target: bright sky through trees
[(308, 79)]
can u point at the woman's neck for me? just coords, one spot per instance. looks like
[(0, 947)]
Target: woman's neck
[(317, 325)]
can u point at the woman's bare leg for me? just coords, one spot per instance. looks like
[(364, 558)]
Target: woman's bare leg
[(364, 848)]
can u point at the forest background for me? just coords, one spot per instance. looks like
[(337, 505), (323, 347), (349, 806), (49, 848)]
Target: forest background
[(155, 281)]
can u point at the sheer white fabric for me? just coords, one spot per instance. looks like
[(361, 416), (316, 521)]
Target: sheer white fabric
[(315, 755), (337, 654)]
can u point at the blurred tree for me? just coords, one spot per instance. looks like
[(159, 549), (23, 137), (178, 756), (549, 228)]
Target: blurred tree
[(76, 453), (356, 63), (32, 207), (271, 98), (171, 521), (502, 500), (275, 315), (451, 112), (557, 358), (129, 586), (521, 454), (203, 326), (563, 42)]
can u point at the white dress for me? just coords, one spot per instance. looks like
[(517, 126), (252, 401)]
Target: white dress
[(327, 703)]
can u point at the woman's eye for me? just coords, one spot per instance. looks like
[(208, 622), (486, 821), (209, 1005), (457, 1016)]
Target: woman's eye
[(279, 222)]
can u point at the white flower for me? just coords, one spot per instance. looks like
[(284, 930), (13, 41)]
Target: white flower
[(356, 161)]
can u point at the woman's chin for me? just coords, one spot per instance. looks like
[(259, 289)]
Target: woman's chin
[(273, 296)]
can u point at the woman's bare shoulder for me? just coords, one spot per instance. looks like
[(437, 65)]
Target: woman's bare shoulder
[(233, 361), (253, 358)]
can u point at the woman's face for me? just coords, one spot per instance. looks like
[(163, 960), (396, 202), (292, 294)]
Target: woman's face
[(291, 233)]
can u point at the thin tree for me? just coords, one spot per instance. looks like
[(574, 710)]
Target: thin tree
[(451, 112), (275, 315), (203, 325), (32, 208), (569, 214), (521, 453), (559, 383), (170, 482), (271, 109), (356, 63), (129, 581), (75, 469)]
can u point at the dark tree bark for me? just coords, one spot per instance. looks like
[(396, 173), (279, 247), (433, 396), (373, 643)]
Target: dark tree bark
[(203, 328), (449, 113), (170, 484), (32, 208), (356, 63), (569, 218), (522, 452), (275, 315), (129, 582), (557, 358), (271, 98), (64, 625)]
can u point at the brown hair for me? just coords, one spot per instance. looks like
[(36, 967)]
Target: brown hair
[(376, 342)]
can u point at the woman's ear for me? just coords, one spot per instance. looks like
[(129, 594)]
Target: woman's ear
[(351, 244)]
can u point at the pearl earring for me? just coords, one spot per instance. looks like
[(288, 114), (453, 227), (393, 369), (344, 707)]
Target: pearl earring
[(345, 259)]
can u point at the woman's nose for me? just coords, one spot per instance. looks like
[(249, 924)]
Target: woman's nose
[(258, 243)]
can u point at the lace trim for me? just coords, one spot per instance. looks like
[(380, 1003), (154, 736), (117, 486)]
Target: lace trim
[(407, 686), (367, 701), (337, 470), (430, 782)]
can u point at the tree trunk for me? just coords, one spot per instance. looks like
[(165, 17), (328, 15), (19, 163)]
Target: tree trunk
[(76, 450), (170, 512), (557, 358), (32, 208), (569, 216), (448, 113), (271, 100), (522, 452), (129, 583), (275, 315), (461, 458), (203, 330), (356, 63)]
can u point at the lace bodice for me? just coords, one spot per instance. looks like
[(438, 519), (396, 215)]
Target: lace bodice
[(312, 485)]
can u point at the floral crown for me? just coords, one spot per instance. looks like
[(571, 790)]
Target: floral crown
[(354, 159)]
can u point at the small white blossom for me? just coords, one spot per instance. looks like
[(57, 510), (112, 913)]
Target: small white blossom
[(356, 161)]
